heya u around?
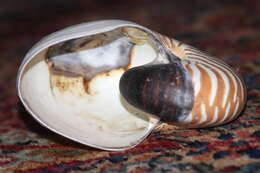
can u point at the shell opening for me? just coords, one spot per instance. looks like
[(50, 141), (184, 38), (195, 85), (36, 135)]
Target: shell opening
[(73, 88)]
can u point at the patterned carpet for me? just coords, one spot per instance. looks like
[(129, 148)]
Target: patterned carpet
[(226, 29)]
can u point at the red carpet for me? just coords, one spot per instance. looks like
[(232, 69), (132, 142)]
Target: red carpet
[(226, 29)]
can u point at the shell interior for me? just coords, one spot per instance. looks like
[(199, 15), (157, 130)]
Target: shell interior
[(72, 88)]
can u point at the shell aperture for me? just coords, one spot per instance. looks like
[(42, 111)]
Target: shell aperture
[(88, 57), (116, 79)]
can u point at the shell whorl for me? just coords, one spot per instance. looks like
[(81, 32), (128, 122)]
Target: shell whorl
[(73, 75), (216, 93), (219, 93)]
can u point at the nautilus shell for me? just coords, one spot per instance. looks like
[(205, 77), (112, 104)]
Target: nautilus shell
[(108, 84)]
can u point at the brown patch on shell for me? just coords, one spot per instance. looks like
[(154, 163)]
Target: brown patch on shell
[(78, 85), (76, 45), (65, 83), (135, 35), (88, 44), (174, 46), (68, 82)]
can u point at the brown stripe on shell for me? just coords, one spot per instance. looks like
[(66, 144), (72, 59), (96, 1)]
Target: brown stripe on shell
[(174, 46), (210, 110), (206, 97), (237, 79), (220, 93), (239, 101), (212, 60), (220, 62), (221, 87), (201, 98), (229, 98)]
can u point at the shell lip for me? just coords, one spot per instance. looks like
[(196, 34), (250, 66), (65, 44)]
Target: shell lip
[(151, 128), (73, 32), (80, 30), (84, 143)]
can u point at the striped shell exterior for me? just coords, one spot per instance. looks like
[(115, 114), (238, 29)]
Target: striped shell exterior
[(117, 80), (217, 93)]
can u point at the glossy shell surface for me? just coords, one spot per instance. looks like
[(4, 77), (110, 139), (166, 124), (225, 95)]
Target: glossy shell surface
[(219, 92), (203, 92), (85, 108), (107, 84)]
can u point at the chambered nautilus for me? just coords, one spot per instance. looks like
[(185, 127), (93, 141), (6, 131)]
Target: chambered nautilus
[(108, 84)]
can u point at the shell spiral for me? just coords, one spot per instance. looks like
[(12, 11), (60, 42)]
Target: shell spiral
[(218, 93), (117, 79)]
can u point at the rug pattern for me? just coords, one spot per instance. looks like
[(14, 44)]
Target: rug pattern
[(229, 30)]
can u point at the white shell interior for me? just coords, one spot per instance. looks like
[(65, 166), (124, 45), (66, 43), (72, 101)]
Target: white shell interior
[(101, 119)]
